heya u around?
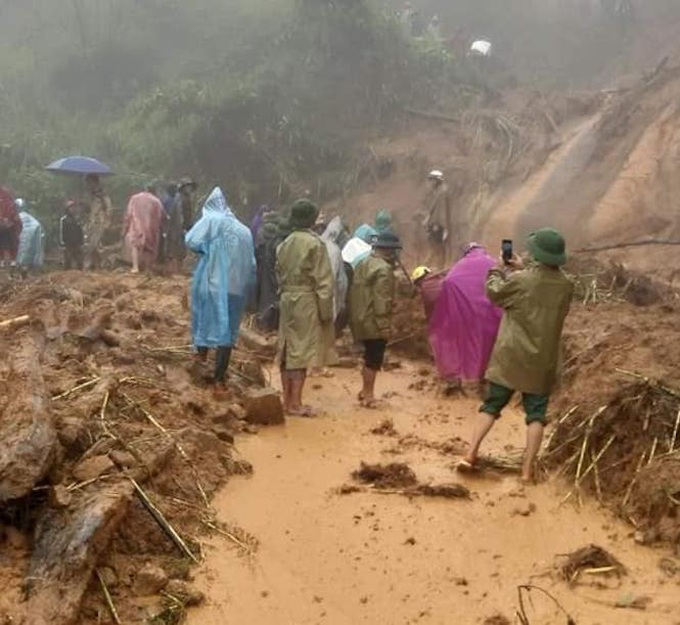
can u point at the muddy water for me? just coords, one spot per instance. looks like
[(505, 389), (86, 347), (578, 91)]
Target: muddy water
[(371, 558)]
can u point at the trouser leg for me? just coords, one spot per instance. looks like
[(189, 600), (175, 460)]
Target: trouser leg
[(222, 364)]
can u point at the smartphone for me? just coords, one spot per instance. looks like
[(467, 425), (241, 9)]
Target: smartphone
[(506, 249)]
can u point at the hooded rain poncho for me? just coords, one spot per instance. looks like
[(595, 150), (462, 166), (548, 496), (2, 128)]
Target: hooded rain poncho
[(224, 275), (465, 323), (143, 223), (340, 283), (31, 253)]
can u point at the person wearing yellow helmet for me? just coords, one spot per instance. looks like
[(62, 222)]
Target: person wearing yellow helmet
[(419, 273), (429, 285)]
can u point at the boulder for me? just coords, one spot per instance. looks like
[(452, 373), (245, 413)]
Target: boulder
[(263, 407)]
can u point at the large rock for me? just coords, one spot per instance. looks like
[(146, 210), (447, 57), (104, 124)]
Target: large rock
[(28, 440), (263, 407)]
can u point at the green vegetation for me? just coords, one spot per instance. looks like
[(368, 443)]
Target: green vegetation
[(266, 98)]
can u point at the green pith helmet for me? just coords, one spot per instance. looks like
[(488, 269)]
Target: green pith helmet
[(547, 246)]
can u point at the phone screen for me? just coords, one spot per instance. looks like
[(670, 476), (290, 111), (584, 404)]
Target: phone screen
[(507, 250)]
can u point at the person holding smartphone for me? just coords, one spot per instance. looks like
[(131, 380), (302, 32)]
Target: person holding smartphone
[(525, 359)]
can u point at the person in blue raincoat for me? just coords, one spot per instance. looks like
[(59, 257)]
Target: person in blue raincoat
[(223, 279), (31, 252)]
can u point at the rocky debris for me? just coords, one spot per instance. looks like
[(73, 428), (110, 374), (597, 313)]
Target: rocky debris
[(92, 468), (150, 581), (28, 440), (446, 491), (385, 428), (60, 497), (263, 407), (497, 619), (394, 475), (591, 558), (98, 399), (184, 592), (67, 546)]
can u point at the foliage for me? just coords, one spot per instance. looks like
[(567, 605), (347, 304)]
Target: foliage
[(266, 99)]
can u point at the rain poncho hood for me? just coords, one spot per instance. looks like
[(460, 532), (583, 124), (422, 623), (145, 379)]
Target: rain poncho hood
[(464, 325), (31, 253), (365, 233), (224, 275), (143, 220), (355, 251)]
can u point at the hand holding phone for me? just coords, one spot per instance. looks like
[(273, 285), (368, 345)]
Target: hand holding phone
[(507, 253)]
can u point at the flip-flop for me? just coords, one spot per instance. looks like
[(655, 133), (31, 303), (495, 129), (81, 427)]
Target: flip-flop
[(465, 466)]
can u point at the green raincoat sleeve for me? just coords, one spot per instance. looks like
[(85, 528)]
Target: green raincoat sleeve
[(383, 281), (322, 275)]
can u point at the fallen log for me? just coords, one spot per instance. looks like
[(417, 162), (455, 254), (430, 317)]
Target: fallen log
[(619, 246), (67, 545), (28, 440)]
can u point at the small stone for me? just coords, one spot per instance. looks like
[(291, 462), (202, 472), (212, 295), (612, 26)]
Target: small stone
[(92, 468), (60, 497), (186, 593), (123, 459), (150, 580), (263, 407), (224, 434)]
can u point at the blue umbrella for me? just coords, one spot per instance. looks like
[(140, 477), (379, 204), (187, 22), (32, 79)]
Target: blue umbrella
[(79, 165)]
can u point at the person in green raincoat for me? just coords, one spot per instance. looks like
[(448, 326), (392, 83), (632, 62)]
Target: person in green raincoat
[(306, 332), (535, 303), (370, 303)]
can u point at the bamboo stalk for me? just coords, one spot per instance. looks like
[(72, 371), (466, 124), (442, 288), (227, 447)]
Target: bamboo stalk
[(675, 433), (629, 490), (77, 388), (159, 426), (109, 599), (17, 322), (228, 535), (163, 522), (653, 452), (566, 416), (601, 453)]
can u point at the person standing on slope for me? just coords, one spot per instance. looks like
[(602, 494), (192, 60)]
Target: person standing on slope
[(535, 303), (437, 221), (223, 279), (142, 229)]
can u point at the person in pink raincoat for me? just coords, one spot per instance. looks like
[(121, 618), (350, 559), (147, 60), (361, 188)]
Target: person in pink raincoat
[(464, 325), (142, 229)]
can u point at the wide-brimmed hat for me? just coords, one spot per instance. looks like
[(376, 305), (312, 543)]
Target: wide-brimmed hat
[(386, 241), (303, 214), (547, 246), (436, 174)]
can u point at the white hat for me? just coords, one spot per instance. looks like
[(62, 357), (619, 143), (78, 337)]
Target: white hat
[(436, 174), (20, 204)]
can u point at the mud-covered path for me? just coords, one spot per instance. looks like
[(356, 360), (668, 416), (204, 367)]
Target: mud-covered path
[(370, 558)]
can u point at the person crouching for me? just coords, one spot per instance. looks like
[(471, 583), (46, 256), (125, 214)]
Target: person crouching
[(371, 301)]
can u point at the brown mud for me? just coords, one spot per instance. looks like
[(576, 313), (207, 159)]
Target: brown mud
[(368, 557)]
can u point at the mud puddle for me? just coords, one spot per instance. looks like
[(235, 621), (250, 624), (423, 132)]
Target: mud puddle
[(374, 558)]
